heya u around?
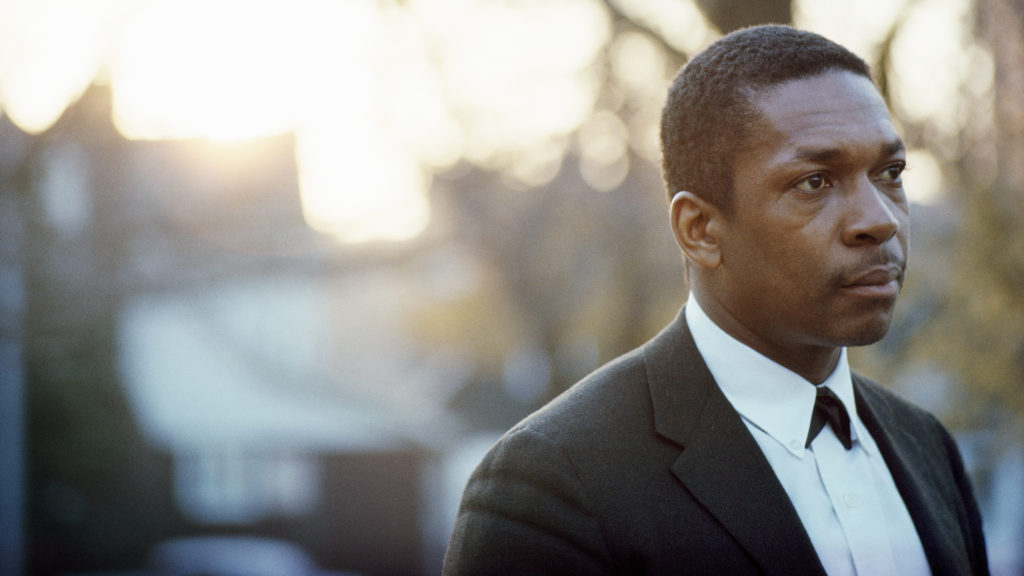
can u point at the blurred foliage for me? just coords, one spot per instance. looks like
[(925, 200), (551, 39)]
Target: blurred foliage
[(729, 15), (978, 330)]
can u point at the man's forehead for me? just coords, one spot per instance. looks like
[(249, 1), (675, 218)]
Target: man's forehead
[(825, 93), (821, 100), (824, 118)]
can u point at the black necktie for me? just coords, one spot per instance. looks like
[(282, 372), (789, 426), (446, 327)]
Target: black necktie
[(829, 408)]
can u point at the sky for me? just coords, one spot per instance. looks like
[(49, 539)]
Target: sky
[(382, 94)]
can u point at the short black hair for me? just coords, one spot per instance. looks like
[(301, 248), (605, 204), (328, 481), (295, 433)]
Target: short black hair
[(709, 112)]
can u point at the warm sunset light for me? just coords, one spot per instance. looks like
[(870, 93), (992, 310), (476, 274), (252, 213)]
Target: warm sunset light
[(196, 69), (50, 51), (364, 89), (254, 69), (380, 96)]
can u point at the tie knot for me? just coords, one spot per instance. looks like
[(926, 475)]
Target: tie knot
[(828, 408)]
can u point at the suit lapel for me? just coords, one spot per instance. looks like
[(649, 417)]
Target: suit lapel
[(939, 532), (720, 463)]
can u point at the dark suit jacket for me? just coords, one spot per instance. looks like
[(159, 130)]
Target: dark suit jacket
[(645, 468)]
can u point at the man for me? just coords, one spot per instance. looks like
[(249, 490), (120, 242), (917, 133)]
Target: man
[(702, 452)]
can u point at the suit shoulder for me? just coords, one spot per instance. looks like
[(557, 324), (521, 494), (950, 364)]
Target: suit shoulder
[(893, 400), (889, 405), (606, 394)]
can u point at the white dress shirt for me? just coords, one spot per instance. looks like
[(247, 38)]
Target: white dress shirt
[(846, 499)]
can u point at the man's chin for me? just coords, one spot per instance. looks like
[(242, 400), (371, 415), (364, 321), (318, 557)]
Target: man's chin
[(868, 333)]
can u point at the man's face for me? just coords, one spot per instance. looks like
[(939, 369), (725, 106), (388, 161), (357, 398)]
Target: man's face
[(814, 250)]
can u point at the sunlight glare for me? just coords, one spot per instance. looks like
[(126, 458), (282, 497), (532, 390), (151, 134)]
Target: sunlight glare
[(528, 77), (413, 93), (360, 191), (536, 165), (680, 22), (50, 51), (603, 143), (193, 68), (931, 74), (924, 177), (360, 180), (639, 64), (196, 69), (378, 95), (860, 26)]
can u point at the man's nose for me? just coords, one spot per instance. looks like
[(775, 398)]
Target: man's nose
[(871, 214)]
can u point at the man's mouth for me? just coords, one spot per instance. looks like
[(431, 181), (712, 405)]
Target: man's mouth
[(878, 282)]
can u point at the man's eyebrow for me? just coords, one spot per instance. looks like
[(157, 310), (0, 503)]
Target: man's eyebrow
[(894, 147), (817, 155), (824, 155)]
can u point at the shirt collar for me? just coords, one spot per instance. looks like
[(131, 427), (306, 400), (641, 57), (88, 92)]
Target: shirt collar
[(767, 394)]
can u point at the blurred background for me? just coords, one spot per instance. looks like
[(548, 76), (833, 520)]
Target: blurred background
[(275, 273)]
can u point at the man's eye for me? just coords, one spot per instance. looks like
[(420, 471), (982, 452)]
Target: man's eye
[(894, 173), (813, 183)]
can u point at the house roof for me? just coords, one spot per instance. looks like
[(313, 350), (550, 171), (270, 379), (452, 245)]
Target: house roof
[(290, 361)]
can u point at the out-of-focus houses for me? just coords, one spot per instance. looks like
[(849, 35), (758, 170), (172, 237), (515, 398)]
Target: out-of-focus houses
[(262, 379)]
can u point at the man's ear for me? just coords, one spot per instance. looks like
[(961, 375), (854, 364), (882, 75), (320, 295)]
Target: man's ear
[(695, 223)]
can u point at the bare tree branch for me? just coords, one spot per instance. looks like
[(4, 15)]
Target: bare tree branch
[(622, 17)]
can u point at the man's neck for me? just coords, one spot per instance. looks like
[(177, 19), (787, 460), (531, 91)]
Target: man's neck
[(813, 363)]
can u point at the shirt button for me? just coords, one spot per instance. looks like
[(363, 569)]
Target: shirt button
[(796, 446), (850, 499)]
